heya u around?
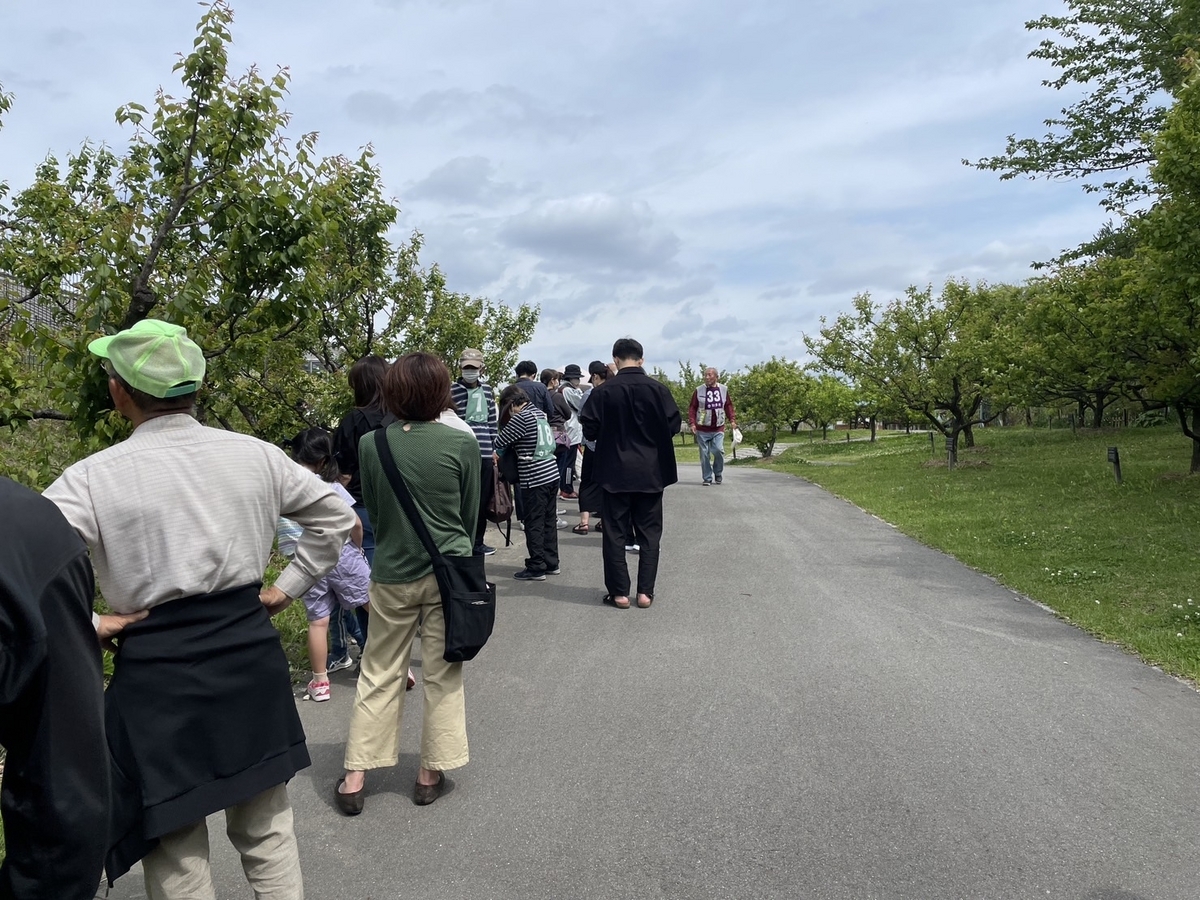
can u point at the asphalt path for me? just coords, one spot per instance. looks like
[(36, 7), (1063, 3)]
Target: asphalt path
[(815, 707)]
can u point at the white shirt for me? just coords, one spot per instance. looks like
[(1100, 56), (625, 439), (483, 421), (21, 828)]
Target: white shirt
[(179, 510), (454, 420)]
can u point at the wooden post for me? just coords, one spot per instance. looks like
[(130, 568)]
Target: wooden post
[(1114, 457)]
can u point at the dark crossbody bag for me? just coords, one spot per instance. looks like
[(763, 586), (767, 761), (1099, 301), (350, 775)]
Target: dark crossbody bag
[(468, 598)]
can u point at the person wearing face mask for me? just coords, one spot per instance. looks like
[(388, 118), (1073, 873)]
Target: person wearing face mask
[(475, 403)]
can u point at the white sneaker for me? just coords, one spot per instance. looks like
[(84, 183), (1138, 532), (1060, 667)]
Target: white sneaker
[(632, 548), (560, 523), (336, 665)]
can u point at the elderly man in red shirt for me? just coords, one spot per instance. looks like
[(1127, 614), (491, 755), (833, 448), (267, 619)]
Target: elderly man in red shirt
[(708, 414)]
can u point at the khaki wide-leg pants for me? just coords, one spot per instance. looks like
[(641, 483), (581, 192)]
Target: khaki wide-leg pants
[(374, 738), (261, 829)]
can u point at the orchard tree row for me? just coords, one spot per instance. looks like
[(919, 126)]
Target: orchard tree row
[(1115, 321), (278, 261)]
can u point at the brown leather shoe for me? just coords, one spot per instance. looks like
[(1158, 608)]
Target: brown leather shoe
[(350, 804), (424, 794)]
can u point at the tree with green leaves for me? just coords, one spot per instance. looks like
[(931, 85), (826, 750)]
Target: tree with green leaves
[(769, 394), (1161, 302), (277, 261), (828, 400), (1124, 56), (940, 357), (1072, 339)]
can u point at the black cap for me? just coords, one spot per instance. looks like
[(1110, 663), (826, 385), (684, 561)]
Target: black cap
[(595, 367)]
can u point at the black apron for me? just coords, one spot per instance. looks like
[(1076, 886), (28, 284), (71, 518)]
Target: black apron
[(200, 717)]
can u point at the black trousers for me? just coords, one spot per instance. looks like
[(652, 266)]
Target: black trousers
[(626, 516), (541, 527), (487, 474), (565, 457)]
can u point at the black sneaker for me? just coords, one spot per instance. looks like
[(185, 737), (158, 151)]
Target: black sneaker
[(718, 479), (554, 571), (483, 550), (526, 575)]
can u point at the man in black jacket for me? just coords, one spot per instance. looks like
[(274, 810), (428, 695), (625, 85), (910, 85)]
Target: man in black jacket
[(539, 396), (632, 419), (55, 799)]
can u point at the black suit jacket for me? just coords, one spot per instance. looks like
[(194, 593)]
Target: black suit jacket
[(632, 418), (55, 797)]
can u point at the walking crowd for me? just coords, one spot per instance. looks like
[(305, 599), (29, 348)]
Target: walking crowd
[(178, 523)]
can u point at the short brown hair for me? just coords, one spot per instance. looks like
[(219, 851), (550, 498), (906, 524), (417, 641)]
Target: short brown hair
[(417, 387)]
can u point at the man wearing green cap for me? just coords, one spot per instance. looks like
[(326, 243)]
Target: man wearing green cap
[(200, 716)]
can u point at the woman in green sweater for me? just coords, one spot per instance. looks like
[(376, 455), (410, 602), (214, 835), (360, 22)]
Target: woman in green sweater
[(440, 465)]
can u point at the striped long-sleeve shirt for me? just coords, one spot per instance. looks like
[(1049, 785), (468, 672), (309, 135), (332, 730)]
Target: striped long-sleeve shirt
[(485, 432), (521, 435)]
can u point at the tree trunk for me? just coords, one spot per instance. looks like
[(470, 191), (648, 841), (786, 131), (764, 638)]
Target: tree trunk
[(1193, 433), (774, 433), (1100, 404), (968, 435), (872, 429), (824, 432), (1082, 418)]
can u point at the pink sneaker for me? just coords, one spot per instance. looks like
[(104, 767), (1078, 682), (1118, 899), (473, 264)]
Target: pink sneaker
[(318, 690)]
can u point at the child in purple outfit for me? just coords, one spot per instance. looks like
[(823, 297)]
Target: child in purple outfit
[(346, 584)]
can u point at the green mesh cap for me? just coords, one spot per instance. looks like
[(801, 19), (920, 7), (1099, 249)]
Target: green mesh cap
[(154, 357)]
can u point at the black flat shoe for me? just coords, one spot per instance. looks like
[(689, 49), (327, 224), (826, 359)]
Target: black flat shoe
[(424, 794), (350, 804)]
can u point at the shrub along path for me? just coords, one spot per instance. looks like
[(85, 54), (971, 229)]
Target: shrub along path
[(815, 706)]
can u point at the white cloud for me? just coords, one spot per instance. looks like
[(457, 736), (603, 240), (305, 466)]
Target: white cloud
[(634, 167), (596, 233)]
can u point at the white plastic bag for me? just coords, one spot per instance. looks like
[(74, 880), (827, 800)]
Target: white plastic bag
[(737, 435)]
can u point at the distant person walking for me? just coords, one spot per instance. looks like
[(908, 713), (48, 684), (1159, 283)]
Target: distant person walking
[(475, 403), (632, 418), (200, 715), (709, 412)]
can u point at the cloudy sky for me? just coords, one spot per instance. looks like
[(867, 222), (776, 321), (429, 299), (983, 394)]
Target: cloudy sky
[(707, 176)]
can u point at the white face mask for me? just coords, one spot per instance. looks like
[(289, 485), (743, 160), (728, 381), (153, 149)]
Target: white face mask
[(470, 375)]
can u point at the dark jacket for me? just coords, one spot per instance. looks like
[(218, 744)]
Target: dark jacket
[(539, 396), (55, 795), (349, 432), (632, 419)]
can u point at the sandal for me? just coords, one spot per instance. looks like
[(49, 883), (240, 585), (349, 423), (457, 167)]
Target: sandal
[(609, 600), (580, 529), (599, 527), (642, 605)]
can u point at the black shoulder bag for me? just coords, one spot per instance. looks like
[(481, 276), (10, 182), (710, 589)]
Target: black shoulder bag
[(468, 598)]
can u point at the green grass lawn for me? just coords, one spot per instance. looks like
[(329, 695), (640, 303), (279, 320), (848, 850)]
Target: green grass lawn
[(1040, 511)]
